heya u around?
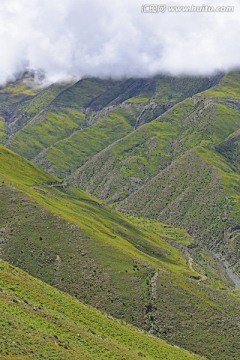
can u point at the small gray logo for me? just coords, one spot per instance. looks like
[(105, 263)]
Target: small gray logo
[(153, 8)]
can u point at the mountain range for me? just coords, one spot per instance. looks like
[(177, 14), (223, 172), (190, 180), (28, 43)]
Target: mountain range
[(125, 196)]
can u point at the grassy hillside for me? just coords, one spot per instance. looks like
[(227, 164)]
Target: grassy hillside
[(123, 167), (125, 266), (230, 149), (20, 113), (14, 94), (68, 154), (45, 129), (143, 147), (36, 124), (40, 322), (155, 171), (228, 87), (199, 192)]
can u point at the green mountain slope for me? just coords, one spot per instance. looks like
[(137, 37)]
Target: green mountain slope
[(200, 192), (134, 159), (40, 322), (230, 149), (164, 149), (156, 170), (23, 100), (144, 272), (13, 95), (47, 125), (68, 154), (123, 167)]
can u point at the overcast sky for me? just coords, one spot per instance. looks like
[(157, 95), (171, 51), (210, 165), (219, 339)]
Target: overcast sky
[(113, 38)]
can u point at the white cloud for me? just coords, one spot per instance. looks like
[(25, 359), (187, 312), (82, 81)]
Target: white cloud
[(112, 38)]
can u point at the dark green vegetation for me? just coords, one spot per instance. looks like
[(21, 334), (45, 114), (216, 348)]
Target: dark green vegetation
[(164, 150), (141, 271), (40, 322)]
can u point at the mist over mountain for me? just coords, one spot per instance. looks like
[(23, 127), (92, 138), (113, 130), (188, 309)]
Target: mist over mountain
[(71, 39)]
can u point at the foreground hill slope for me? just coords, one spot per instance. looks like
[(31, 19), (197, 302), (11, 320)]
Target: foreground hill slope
[(142, 271), (40, 322)]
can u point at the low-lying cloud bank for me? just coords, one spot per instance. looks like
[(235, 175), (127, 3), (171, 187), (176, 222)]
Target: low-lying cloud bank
[(114, 38)]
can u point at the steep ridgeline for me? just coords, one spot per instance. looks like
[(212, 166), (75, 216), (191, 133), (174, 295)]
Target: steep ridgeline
[(181, 168), (141, 271)]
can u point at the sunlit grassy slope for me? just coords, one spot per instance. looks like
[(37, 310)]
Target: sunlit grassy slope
[(46, 128), (138, 145), (171, 168), (230, 149), (51, 123), (122, 168), (69, 153), (227, 88), (199, 191), (133, 269), (40, 322)]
